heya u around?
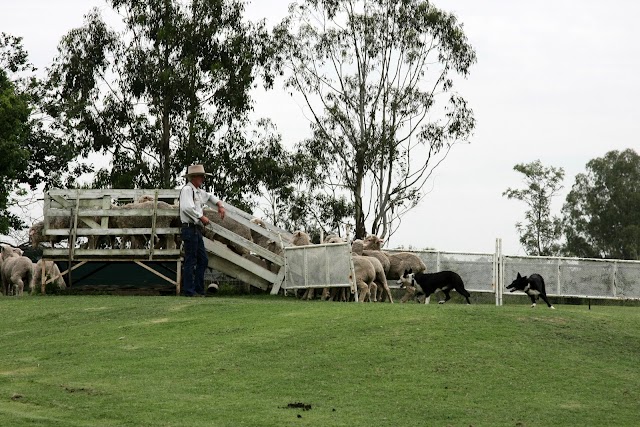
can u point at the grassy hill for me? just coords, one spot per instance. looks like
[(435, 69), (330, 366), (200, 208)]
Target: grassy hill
[(272, 361)]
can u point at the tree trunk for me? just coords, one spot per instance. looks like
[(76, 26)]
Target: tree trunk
[(165, 150)]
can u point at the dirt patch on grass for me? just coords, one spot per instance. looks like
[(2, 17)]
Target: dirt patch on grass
[(300, 405), (82, 390)]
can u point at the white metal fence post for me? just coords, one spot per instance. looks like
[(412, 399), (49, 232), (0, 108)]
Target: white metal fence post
[(614, 285), (497, 272), (558, 278)]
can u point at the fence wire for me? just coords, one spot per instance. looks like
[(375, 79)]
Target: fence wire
[(330, 265), (318, 266)]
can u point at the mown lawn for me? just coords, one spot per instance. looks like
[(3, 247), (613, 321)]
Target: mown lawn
[(242, 361)]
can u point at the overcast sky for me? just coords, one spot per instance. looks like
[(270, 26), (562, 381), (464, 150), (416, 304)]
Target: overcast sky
[(556, 80)]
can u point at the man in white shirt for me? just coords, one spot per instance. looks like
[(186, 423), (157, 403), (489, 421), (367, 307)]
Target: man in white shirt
[(192, 200)]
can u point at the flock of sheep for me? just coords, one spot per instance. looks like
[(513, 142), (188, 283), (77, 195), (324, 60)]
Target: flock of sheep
[(17, 270), (373, 267)]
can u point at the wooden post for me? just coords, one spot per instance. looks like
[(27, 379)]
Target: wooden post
[(178, 276), (43, 278), (152, 243), (72, 235)]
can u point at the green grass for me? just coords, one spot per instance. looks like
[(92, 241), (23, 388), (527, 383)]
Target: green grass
[(240, 361)]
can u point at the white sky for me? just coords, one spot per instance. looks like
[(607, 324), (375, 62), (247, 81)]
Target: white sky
[(556, 80)]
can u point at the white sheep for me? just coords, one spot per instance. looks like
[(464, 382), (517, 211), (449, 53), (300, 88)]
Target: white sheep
[(300, 238), (398, 261), (36, 232), (17, 270), (231, 225), (372, 242), (333, 238), (357, 246), (365, 276), (371, 246), (145, 221), (401, 261), (267, 243), (51, 271)]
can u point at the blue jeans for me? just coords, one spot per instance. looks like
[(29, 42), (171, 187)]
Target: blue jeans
[(195, 261)]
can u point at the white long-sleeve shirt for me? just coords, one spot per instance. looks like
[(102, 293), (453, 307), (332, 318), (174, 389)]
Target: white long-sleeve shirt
[(192, 200)]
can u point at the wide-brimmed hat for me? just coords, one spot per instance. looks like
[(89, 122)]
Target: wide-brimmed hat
[(194, 170)]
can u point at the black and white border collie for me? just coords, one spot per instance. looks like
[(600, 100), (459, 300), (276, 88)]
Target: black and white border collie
[(532, 286), (428, 283)]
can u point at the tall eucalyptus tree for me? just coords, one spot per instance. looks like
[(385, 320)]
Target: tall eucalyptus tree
[(378, 79)]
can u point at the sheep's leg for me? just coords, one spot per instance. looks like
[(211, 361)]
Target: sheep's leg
[(363, 290), (140, 242), (411, 291), (170, 242), (387, 292), (312, 293), (338, 294), (326, 293), (34, 280), (373, 292), (43, 277), (309, 294), (18, 285)]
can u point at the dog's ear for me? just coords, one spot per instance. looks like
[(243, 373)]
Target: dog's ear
[(410, 270), (519, 276)]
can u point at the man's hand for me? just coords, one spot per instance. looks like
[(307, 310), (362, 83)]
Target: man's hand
[(204, 220), (221, 211)]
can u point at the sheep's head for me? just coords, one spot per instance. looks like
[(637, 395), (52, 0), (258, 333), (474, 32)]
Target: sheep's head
[(35, 233), (373, 242), (145, 198), (8, 252), (333, 238), (259, 222), (300, 238), (357, 246)]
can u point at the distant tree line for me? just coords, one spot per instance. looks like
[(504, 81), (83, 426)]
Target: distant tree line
[(173, 86), (601, 214)]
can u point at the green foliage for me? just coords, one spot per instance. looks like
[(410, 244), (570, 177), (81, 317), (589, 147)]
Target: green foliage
[(602, 211), (540, 234), (160, 361), (30, 153), (171, 90), (14, 115), (361, 67)]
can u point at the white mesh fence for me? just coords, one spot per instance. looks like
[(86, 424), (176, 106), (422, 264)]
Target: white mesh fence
[(330, 266), (577, 277), (476, 270), (317, 266), (627, 275)]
